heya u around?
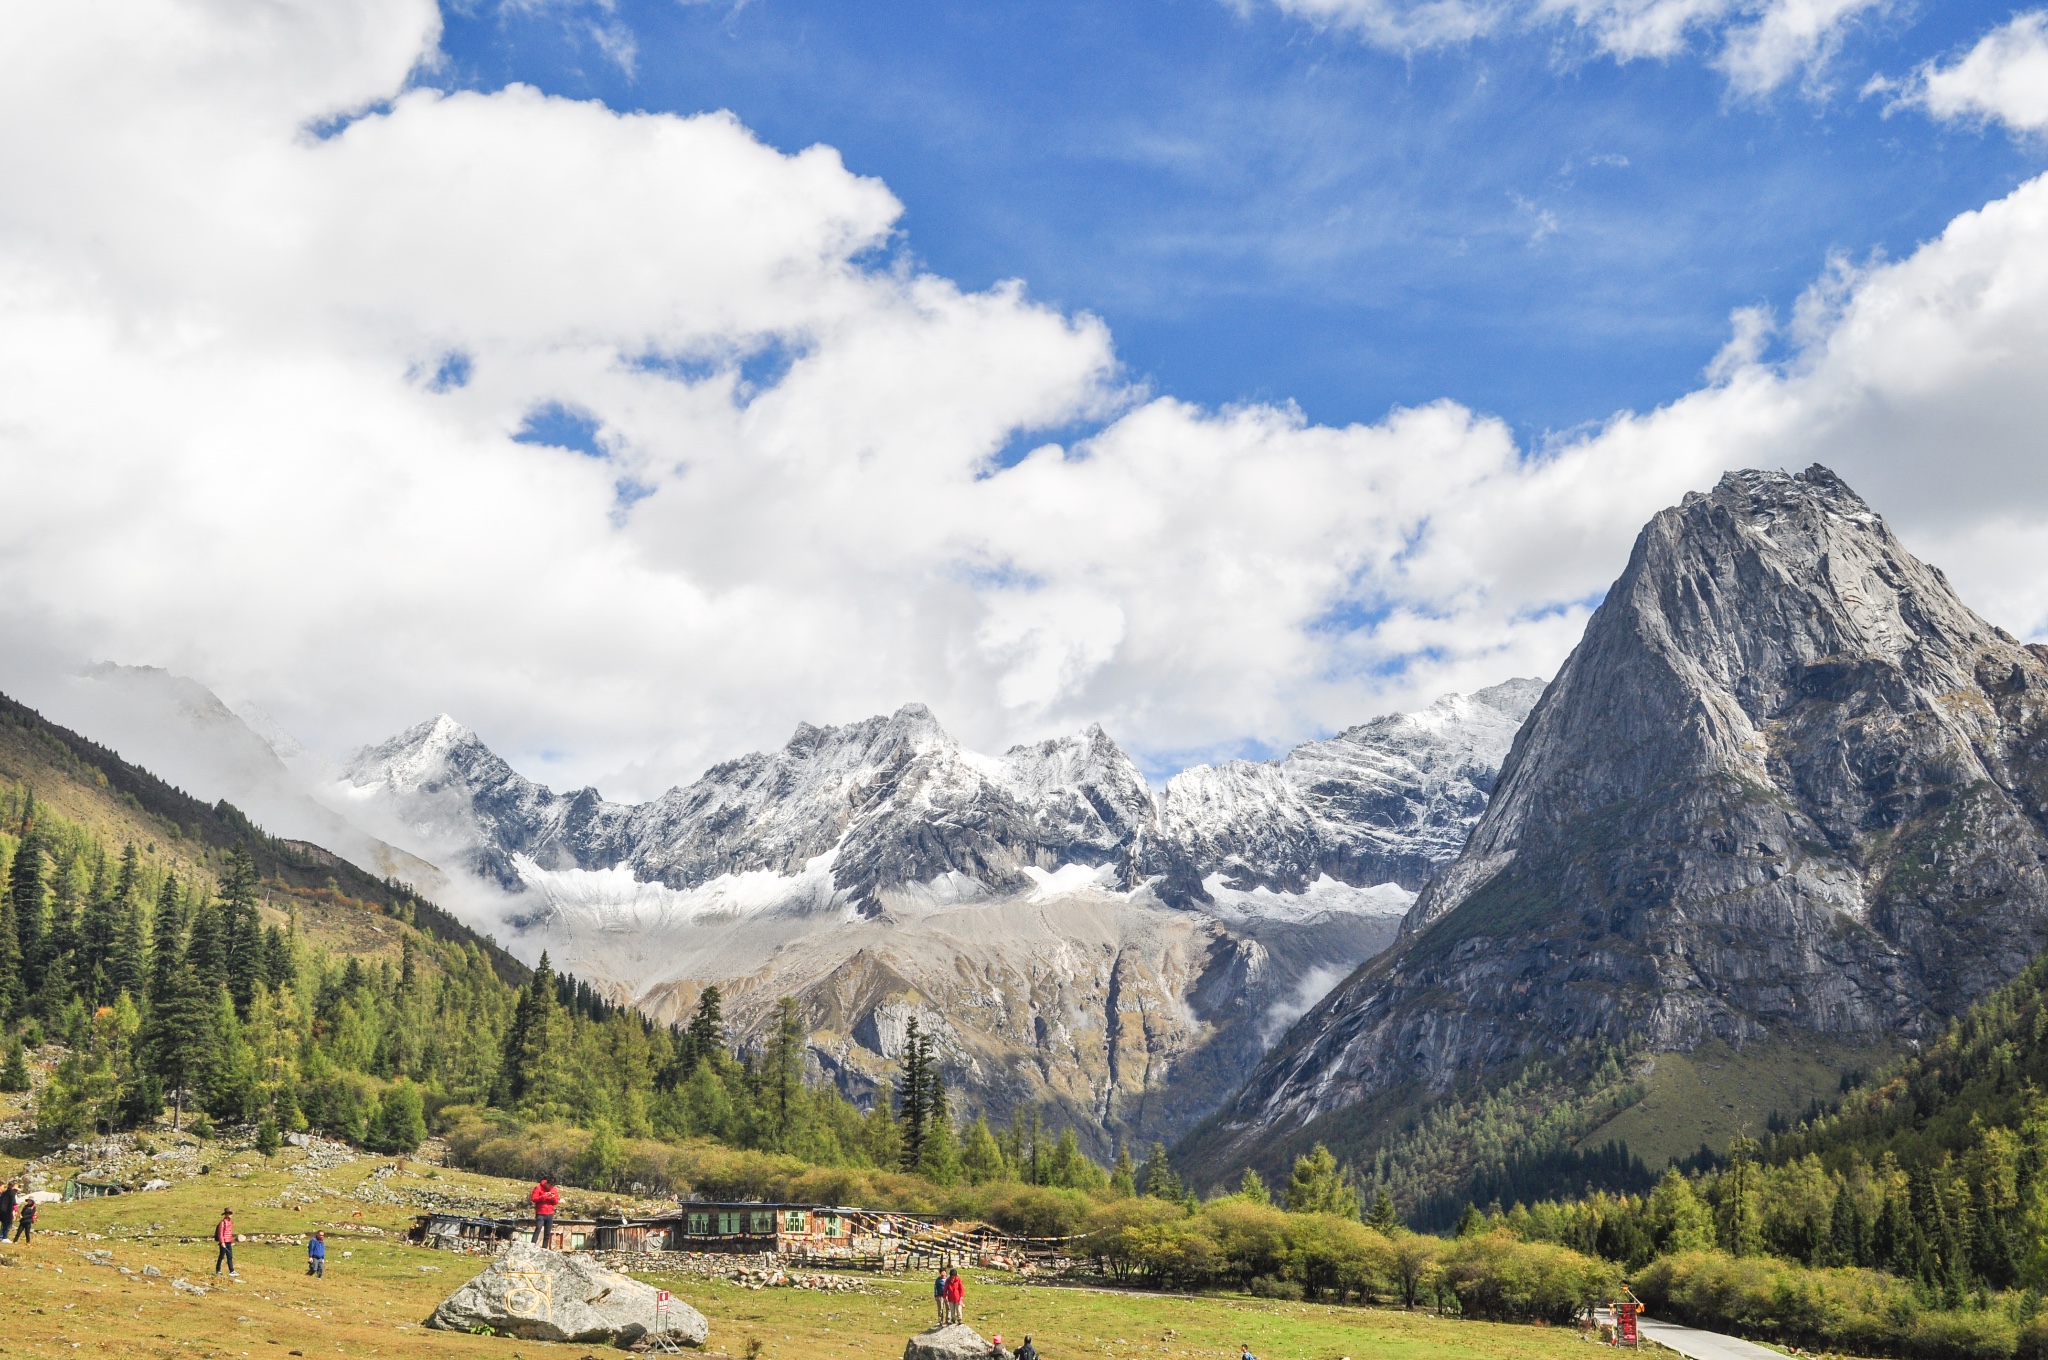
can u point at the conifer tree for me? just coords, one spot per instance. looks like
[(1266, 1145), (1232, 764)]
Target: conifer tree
[(166, 941), (707, 1029), (881, 1137), (99, 929), (1250, 1187), (27, 891), (12, 994), (1123, 1178), (247, 962), (1317, 1186), (1383, 1219), (1158, 1179), (785, 1071), (180, 1039), (914, 1111), (540, 1067), (128, 970), (14, 1075), (981, 1157), (206, 950)]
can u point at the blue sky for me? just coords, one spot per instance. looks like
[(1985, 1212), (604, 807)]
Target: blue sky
[(1267, 209), (632, 438)]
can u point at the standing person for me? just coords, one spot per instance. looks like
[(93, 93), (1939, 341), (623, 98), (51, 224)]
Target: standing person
[(1246, 1352), (1027, 1351), (224, 1238), (939, 1296), (956, 1293), (28, 1220), (316, 1255), (8, 1198), (545, 1197)]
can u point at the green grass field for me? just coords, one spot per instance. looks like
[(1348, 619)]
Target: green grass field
[(55, 1302)]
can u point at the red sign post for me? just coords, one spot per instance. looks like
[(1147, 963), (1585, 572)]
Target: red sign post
[(1625, 1322)]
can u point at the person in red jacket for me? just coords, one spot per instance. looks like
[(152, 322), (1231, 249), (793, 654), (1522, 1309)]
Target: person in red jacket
[(224, 1238), (956, 1290), (545, 1197)]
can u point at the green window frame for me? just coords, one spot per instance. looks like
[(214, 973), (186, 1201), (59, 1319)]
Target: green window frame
[(764, 1223), (793, 1221), (728, 1223), (700, 1225), (832, 1225)]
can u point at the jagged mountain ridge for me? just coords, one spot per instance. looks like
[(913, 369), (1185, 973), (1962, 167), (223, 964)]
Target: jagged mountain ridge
[(1072, 937), (1786, 783), (898, 802)]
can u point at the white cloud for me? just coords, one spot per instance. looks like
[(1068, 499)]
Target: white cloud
[(2003, 78), (1761, 44), (225, 448)]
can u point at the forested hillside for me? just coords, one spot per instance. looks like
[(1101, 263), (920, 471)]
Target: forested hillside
[(161, 955)]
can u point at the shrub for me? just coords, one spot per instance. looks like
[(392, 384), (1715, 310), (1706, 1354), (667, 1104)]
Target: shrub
[(1498, 1278), (1865, 1311)]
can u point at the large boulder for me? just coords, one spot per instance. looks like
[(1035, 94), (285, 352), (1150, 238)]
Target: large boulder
[(543, 1295), (955, 1342)]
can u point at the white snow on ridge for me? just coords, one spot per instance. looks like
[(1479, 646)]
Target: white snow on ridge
[(614, 900), (1325, 896)]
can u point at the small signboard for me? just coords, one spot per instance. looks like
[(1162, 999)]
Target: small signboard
[(1625, 1322)]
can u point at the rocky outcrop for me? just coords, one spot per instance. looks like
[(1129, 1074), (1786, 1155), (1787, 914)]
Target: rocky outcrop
[(1787, 782), (542, 1295), (955, 1342)]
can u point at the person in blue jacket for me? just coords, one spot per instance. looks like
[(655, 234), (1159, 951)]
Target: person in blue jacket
[(316, 1255)]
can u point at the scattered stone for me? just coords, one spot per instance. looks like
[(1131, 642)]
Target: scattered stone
[(541, 1295), (955, 1342), (185, 1286), (152, 1271)]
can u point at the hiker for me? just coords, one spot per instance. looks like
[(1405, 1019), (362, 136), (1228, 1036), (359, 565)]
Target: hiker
[(28, 1220), (8, 1199), (545, 1197), (224, 1238), (1027, 1351), (939, 1296), (956, 1293), (996, 1351), (1247, 1352), (316, 1255)]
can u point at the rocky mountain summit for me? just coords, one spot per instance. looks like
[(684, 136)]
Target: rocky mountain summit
[(1070, 935), (1788, 783)]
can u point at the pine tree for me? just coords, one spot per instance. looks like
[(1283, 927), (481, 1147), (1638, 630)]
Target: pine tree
[(1316, 1186), (12, 993), (128, 970), (1383, 1219), (1123, 1179), (785, 1071), (981, 1157), (206, 950), (540, 1060), (913, 1113), (99, 928), (1158, 1179), (166, 941), (14, 1076), (27, 891), (180, 1039), (1252, 1188), (247, 962), (401, 1118), (938, 1153)]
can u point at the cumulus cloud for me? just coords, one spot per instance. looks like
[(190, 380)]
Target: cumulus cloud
[(632, 441), (2003, 78), (1758, 44)]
